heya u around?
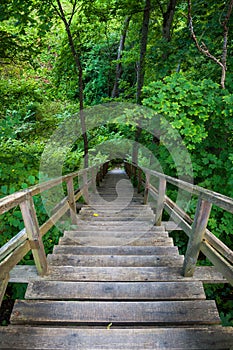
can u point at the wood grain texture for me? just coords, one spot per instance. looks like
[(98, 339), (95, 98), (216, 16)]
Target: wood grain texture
[(63, 338), (202, 312), (115, 291), (122, 250), (130, 240), (115, 260), (128, 274)]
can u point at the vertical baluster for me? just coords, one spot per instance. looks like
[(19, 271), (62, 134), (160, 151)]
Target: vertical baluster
[(3, 285), (160, 201), (85, 189), (198, 230), (147, 186), (139, 179), (33, 233), (71, 200), (93, 180)]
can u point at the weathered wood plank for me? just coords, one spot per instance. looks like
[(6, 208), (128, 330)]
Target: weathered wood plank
[(24, 274), (63, 338), (219, 246), (133, 240), (3, 285), (117, 226), (220, 263), (198, 230), (171, 226), (122, 250), (160, 201), (137, 219), (33, 233), (94, 232), (211, 196), (53, 219), (13, 243), (14, 258), (115, 291), (202, 312), (71, 200), (114, 260), (120, 274)]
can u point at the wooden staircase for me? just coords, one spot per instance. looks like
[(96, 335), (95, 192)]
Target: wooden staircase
[(114, 282)]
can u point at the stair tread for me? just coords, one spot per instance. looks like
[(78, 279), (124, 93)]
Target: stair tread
[(115, 260), (115, 250), (115, 291), (63, 338), (118, 274), (202, 312), (115, 241)]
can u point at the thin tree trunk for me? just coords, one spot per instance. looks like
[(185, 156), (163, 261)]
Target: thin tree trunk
[(115, 91), (141, 73), (168, 20), (144, 39), (76, 55), (203, 48)]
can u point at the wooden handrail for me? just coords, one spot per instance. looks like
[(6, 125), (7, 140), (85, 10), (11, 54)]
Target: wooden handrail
[(200, 238), (30, 238)]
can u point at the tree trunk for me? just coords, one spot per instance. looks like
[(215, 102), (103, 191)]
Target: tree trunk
[(76, 55), (115, 91), (141, 73), (168, 20), (144, 39)]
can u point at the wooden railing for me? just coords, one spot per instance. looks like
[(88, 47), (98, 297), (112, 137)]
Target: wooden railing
[(200, 238), (30, 238)]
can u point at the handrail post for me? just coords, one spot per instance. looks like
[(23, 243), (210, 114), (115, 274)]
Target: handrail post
[(197, 234), (85, 188), (93, 179), (3, 285), (101, 173), (160, 201), (105, 168), (139, 179), (33, 232), (98, 178), (147, 186), (71, 200)]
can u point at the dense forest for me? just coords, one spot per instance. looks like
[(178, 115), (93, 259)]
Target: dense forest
[(60, 58)]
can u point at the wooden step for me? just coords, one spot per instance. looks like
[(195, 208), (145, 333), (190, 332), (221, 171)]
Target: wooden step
[(139, 226), (112, 241), (94, 232), (115, 260), (122, 250), (120, 211), (113, 226), (136, 220), (206, 274), (64, 338), (115, 291), (117, 274), (202, 312)]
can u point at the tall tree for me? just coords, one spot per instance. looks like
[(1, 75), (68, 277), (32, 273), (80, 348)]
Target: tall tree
[(76, 53), (115, 91), (168, 16), (143, 44), (141, 72)]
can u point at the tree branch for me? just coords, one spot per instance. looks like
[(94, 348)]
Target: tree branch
[(160, 6), (225, 35), (74, 10), (203, 48)]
